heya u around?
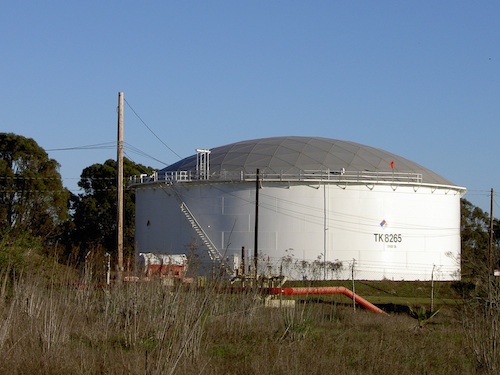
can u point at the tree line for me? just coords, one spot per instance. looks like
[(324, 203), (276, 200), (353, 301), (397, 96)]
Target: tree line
[(34, 205)]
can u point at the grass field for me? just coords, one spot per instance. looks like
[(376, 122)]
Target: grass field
[(50, 326)]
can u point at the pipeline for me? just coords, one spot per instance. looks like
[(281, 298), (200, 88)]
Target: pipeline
[(327, 290)]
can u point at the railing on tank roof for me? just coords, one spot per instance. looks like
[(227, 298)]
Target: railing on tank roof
[(306, 175)]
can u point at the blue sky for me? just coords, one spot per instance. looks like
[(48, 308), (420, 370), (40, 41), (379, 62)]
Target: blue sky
[(420, 79)]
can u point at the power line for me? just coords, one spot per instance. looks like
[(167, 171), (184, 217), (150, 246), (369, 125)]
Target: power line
[(337, 220), (137, 151), (99, 146), (152, 132), (109, 146)]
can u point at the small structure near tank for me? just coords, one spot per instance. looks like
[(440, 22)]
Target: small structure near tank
[(163, 265)]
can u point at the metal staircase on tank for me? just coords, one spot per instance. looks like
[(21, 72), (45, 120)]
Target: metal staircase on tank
[(213, 252), (203, 173)]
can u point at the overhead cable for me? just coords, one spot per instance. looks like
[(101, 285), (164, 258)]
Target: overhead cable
[(152, 132)]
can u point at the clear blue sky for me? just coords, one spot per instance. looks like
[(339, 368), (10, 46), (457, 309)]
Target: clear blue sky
[(420, 79)]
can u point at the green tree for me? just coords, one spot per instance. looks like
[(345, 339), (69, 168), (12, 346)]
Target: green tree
[(32, 198), (94, 211), (479, 288), (475, 236)]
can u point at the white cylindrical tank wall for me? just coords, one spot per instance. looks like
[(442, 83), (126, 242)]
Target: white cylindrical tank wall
[(314, 230)]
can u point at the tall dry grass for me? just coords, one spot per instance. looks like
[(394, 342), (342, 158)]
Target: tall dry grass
[(481, 320), (49, 327)]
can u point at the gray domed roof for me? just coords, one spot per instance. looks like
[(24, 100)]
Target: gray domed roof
[(298, 154)]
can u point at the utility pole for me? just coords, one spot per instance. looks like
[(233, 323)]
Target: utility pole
[(256, 230), (491, 265), (353, 286), (119, 184), (243, 271), (432, 288), (324, 231)]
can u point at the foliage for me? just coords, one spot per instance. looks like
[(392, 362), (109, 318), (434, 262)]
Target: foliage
[(481, 321), (475, 239), (32, 198), (12, 261), (479, 288), (94, 211), (422, 315), (297, 323)]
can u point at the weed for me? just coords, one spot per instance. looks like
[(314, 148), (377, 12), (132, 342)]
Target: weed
[(296, 324), (422, 315)]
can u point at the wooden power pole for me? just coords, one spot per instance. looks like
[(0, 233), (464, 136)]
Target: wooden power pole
[(491, 258), (256, 230), (119, 184)]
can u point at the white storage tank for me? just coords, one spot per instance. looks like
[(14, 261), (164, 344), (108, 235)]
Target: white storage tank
[(327, 209)]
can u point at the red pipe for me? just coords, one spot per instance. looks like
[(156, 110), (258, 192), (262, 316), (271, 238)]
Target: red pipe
[(327, 290)]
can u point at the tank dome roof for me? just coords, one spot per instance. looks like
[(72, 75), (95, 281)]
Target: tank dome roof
[(295, 154)]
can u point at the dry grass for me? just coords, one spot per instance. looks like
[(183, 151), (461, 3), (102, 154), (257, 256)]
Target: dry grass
[(148, 328)]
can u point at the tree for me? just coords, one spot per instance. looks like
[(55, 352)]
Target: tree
[(479, 288), (475, 237), (94, 211), (32, 198)]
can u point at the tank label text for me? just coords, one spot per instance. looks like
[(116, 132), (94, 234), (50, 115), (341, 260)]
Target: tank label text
[(388, 237)]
